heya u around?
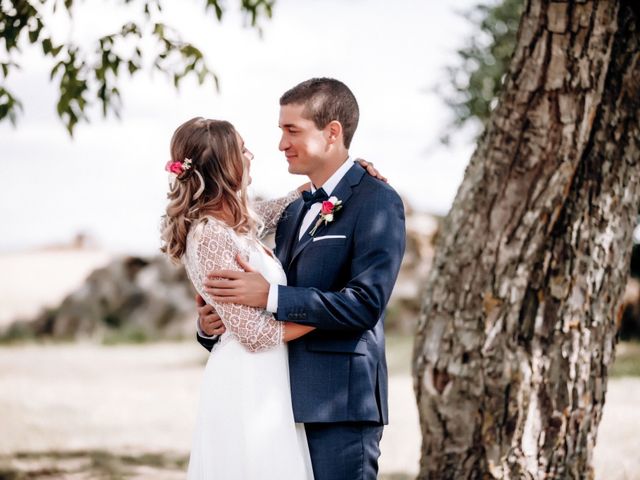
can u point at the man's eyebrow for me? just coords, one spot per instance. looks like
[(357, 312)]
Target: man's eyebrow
[(288, 125)]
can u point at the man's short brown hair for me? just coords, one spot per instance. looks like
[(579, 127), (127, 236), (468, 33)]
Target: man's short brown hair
[(325, 100)]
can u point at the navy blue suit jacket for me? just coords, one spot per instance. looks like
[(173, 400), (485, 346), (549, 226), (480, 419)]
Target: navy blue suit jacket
[(341, 285)]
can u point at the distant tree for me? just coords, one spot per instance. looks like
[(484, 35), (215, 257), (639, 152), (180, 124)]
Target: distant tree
[(91, 74), (517, 331), (474, 81)]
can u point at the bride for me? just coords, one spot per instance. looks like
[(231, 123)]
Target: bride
[(245, 427)]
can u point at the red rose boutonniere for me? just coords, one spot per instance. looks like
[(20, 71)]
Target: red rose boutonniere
[(328, 210)]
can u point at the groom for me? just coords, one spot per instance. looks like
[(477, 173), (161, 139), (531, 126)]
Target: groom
[(340, 269)]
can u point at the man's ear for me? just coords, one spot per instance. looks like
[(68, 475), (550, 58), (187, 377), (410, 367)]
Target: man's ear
[(334, 131)]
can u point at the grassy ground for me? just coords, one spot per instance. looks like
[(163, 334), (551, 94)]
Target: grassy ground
[(627, 362), (98, 464), (399, 352), (104, 465)]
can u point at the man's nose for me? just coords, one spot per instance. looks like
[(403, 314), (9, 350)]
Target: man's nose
[(284, 144)]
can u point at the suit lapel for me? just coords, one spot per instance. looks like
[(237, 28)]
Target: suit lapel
[(305, 239), (287, 238), (290, 232), (342, 192)]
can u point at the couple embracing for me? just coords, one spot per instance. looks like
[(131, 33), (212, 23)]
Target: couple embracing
[(296, 383)]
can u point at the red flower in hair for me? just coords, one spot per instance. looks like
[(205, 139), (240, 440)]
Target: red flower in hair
[(178, 168)]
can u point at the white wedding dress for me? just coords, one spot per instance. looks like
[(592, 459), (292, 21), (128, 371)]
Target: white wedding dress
[(245, 428)]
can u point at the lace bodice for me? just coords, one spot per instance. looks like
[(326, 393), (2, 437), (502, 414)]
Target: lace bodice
[(212, 245)]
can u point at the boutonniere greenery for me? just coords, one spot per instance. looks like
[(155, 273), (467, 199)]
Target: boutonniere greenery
[(327, 212)]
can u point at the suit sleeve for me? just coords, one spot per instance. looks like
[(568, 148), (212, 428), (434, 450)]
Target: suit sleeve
[(378, 246), (207, 343)]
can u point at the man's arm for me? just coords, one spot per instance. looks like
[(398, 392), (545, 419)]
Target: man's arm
[(207, 343), (209, 325)]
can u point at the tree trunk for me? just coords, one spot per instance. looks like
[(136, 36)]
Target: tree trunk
[(518, 328)]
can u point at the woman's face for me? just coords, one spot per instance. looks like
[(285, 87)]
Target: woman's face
[(247, 155)]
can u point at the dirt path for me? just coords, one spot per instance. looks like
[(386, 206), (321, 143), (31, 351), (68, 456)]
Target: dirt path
[(132, 400)]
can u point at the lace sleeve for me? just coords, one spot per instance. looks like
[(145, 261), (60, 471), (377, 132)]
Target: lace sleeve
[(214, 248), (271, 210)]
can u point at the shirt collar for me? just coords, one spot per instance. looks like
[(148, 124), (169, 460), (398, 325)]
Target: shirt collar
[(330, 185)]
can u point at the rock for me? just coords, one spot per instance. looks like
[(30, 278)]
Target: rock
[(131, 299)]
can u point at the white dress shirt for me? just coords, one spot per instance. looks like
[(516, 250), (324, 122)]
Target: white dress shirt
[(329, 186)]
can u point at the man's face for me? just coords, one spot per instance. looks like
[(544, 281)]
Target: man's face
[(302, 142)]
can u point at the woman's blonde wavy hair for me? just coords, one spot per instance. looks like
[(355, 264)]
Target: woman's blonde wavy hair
[(212, 146)]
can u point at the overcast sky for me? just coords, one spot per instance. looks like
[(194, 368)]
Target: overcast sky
[(109, 180)]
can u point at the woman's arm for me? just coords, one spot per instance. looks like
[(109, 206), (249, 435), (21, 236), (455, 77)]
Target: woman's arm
[(255, 328), (271, 210)]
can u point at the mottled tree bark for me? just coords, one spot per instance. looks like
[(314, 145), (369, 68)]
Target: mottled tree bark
[(517, 330)]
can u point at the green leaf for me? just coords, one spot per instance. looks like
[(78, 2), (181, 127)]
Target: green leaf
[(202, 75), (46, 46), (216, 7), (9, 106), (55, 69), (474, 83), (132, 67), (158, 29)]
